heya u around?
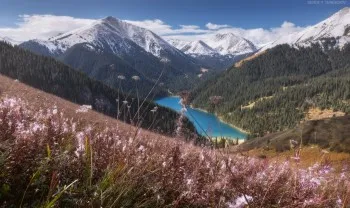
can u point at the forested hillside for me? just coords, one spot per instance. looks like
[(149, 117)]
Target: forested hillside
[(53, 77), (274, 91)]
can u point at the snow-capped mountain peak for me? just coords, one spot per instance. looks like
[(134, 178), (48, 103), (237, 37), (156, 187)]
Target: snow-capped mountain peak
[(144, 38), (177, 43), (221, 43), (229, 43), (111, 34), (336, 26), (198, 47)]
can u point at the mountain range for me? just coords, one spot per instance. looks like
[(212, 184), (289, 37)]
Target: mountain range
[(140, 49), (112, 35), (111, 47), (218, 51), (335, 28), (223, 44)]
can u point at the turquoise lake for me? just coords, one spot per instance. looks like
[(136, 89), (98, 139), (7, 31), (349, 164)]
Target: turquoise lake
[(203, 121)]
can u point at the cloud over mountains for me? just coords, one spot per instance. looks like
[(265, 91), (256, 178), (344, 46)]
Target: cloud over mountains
[(46, 26)]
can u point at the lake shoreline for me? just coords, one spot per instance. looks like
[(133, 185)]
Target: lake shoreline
[(222, 120), (205, 121), (219, 117)]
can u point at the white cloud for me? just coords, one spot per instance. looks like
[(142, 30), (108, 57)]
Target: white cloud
[(212, 26), (287, 28), (190, 27), (42, 26), (161, 28), (156, 25), (258, 36), (46, 26)]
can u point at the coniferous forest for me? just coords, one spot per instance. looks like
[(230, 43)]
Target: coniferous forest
[(274, 91)]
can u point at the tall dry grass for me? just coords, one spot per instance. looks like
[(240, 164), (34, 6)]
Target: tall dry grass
[(47, 160)]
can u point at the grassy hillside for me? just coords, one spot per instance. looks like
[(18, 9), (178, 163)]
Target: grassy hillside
[(54, 159), (294, 80), (42, 100)]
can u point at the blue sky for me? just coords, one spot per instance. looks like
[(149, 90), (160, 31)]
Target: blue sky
[(245, 14)]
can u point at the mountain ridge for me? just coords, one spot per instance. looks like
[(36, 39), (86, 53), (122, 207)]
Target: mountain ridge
[(198, 47), (220, 43)]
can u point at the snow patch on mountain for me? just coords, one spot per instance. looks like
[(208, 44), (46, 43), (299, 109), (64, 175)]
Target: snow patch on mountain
[(198, 47), (229, 43), (10, 40), (53, 47), (177, 43)]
